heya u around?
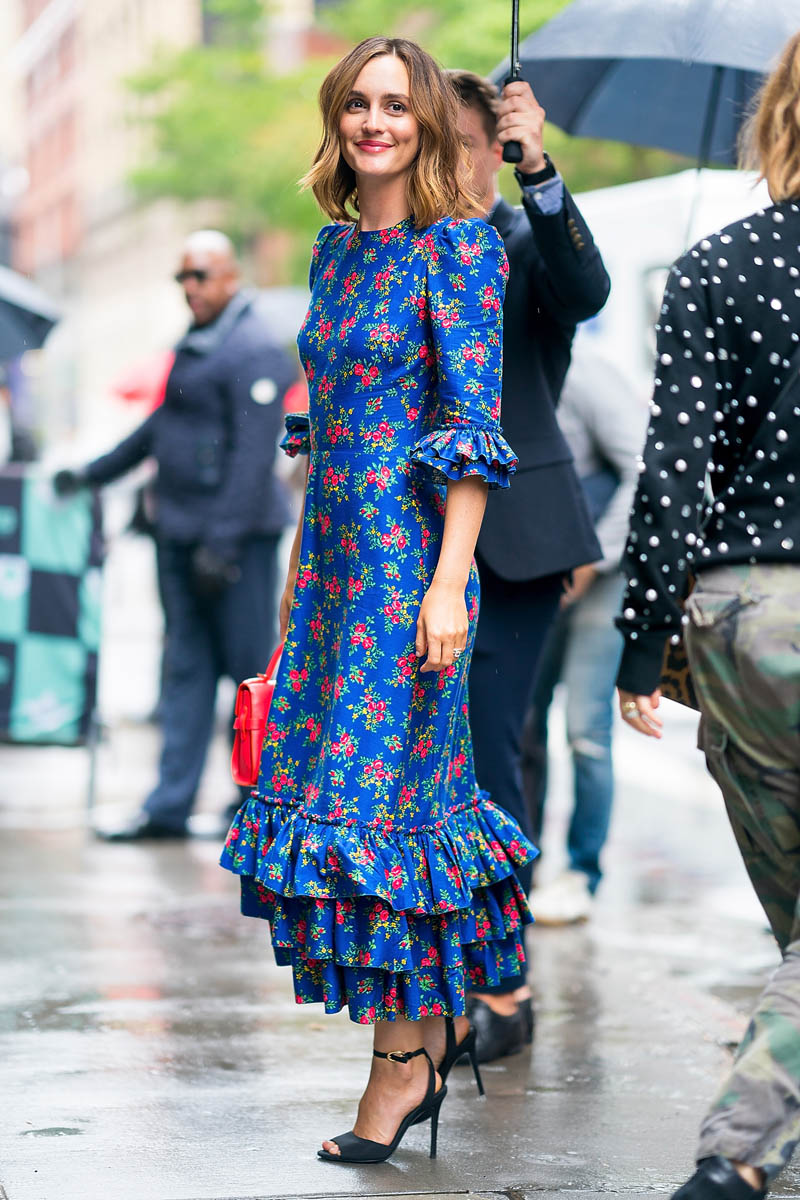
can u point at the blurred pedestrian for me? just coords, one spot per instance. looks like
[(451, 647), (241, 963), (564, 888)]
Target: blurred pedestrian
[(387, 877), (719, 500), (218, 516), (604, 422), (541, 529)]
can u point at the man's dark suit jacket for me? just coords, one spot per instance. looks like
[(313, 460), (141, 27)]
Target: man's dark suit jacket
[(540, 525), (214, 438)]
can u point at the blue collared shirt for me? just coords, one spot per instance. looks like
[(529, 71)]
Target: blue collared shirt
[(548, 197)]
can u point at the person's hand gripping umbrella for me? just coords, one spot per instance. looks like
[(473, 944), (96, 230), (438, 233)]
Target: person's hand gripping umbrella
[(520, 117)]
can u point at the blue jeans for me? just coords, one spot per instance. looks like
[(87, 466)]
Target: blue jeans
[(583, 652)]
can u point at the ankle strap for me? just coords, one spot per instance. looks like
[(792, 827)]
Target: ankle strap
[(401, 1056)]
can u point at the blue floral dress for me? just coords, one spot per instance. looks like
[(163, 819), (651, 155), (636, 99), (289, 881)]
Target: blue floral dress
[(386, 876)]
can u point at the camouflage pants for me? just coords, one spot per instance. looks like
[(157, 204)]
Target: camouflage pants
[(743, 644)]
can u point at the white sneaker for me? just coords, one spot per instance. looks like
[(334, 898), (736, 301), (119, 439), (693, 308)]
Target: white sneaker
[(564, 901)]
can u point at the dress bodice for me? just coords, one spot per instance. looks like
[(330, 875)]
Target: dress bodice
[(403, 339)]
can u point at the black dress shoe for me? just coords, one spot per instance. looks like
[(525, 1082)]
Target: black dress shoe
[(141, 828), (528, 1018), (496, 1036), (717, 1179)]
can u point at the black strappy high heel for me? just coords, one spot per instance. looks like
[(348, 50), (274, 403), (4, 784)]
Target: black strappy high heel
[(454, 1051), (354, 1149)]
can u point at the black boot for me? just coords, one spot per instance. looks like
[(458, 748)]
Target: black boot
[(528, 1018), (496, 1036)]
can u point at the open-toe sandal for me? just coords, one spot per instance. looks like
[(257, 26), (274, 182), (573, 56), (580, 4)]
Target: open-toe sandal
[(354, 1149)]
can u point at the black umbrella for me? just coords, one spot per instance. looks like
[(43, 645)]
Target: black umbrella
[(26, 314), (677, 74)]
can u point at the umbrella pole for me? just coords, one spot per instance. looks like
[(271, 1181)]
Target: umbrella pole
[(694, 205), (711, 117), (704, 155), (512, 151)]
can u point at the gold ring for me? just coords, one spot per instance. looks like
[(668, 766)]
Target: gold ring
[(630, 707)]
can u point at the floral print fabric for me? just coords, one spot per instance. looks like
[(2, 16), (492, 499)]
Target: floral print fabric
[(386, 876)]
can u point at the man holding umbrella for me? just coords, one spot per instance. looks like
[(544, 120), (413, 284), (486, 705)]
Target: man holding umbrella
[(539, 531)]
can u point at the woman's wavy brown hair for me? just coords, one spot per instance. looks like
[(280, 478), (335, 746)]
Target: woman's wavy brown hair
[(770, 141), (438, 182)]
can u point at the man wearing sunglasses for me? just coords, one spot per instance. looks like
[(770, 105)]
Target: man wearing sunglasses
[(219, 515)]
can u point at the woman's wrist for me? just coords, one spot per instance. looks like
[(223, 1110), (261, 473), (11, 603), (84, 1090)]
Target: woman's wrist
[(450, 582)]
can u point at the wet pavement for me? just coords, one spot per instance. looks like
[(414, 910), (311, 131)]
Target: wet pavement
[(149, 1047)]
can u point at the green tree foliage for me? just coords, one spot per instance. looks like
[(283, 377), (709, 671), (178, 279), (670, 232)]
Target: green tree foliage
[(225, 127), (460, 33), (224, 124)]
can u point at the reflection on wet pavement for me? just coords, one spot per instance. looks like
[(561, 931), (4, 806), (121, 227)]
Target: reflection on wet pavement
[(141, 1013)]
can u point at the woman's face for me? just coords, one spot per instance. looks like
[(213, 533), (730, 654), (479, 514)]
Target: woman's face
[(378, 134)]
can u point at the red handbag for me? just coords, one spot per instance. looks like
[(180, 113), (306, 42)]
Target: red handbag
[(250, 722)]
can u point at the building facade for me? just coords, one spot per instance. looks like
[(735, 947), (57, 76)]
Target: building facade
[(78, 229)]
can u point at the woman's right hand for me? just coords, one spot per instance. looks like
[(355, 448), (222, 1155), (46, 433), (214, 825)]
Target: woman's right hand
[(286, 604)]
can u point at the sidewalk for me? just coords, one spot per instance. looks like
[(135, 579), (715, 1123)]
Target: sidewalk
[(151, 1049)]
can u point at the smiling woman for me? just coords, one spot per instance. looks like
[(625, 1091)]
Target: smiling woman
[(386, 876)]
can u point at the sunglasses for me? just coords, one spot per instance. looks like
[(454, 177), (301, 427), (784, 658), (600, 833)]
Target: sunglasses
[(199, 276)]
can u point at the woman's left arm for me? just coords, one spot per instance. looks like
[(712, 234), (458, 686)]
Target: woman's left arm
[(664, 539), (465, 284), (442, 624)]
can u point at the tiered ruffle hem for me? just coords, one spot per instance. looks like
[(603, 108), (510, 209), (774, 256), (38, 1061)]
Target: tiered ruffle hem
[(389, 923)]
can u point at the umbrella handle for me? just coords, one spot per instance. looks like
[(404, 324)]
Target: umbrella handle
[(512, 151)]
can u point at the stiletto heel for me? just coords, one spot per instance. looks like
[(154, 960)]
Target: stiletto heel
[(473, 1058), (435, 1120), (354, 1149), (454, 1050)]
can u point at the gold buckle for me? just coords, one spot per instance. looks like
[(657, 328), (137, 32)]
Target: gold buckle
[(400, 1056)]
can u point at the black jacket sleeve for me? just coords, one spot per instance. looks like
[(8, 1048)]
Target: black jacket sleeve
[(124, 457), (568, 278), (664, 537), (255, 387)]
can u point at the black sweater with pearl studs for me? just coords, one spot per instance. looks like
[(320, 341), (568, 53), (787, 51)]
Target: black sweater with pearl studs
[(718, 481)]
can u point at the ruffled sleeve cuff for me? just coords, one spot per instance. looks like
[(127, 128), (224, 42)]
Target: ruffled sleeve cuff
[(464, 450), (297, 439)]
